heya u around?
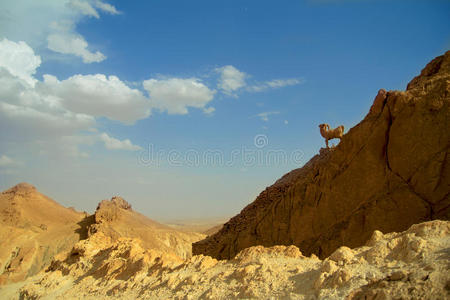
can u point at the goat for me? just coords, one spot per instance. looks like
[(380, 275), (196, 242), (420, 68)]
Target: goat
[(329, 134)]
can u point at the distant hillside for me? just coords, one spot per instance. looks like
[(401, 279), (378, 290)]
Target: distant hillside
[(204, 225), (35, 230), (390, 171)]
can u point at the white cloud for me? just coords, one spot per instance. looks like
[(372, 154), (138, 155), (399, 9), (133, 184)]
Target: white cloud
[(264, 116), (277, 83), (55, 117), (52, 24), (19, 59), (26, 107), (55, 108), (115, 144), (66, 146), (99, 96), (6, 161), (84, 8), (106, 7), (209, 110), (25, 123), (274, 84), (175, 95), (73, 44), (231, 79)]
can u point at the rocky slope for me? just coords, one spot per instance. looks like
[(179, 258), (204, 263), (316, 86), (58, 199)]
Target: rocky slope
[(390, 171), (409, 265), (35, 230)]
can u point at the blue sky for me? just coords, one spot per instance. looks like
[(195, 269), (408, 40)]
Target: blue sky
[(229, 93)]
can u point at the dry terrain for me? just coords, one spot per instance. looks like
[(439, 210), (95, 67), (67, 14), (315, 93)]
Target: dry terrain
[(36, 230), (408, 265)]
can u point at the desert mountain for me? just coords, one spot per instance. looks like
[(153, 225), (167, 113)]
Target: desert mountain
[(36, 230), (390, 171), (33, 230), (407, 265)]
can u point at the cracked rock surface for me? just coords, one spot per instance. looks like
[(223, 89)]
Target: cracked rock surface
[(390, 171)]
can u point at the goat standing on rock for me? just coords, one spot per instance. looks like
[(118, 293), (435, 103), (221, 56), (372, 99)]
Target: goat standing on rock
[(329, 134)]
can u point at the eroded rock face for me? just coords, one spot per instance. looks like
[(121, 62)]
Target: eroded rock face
[(390, 171)]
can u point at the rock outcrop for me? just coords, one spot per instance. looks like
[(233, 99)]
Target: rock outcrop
[(115, 219), (390, 171), (407, 265)]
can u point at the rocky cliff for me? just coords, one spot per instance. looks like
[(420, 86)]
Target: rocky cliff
[(390, 171)]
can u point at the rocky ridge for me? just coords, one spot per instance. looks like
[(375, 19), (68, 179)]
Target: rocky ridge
[(390, 171)]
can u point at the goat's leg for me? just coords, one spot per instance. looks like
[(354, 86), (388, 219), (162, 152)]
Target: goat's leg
[(326, 142)]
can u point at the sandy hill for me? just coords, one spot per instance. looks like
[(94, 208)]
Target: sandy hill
[(390, 171), (407, 265), (23, 206), (34, 230)]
